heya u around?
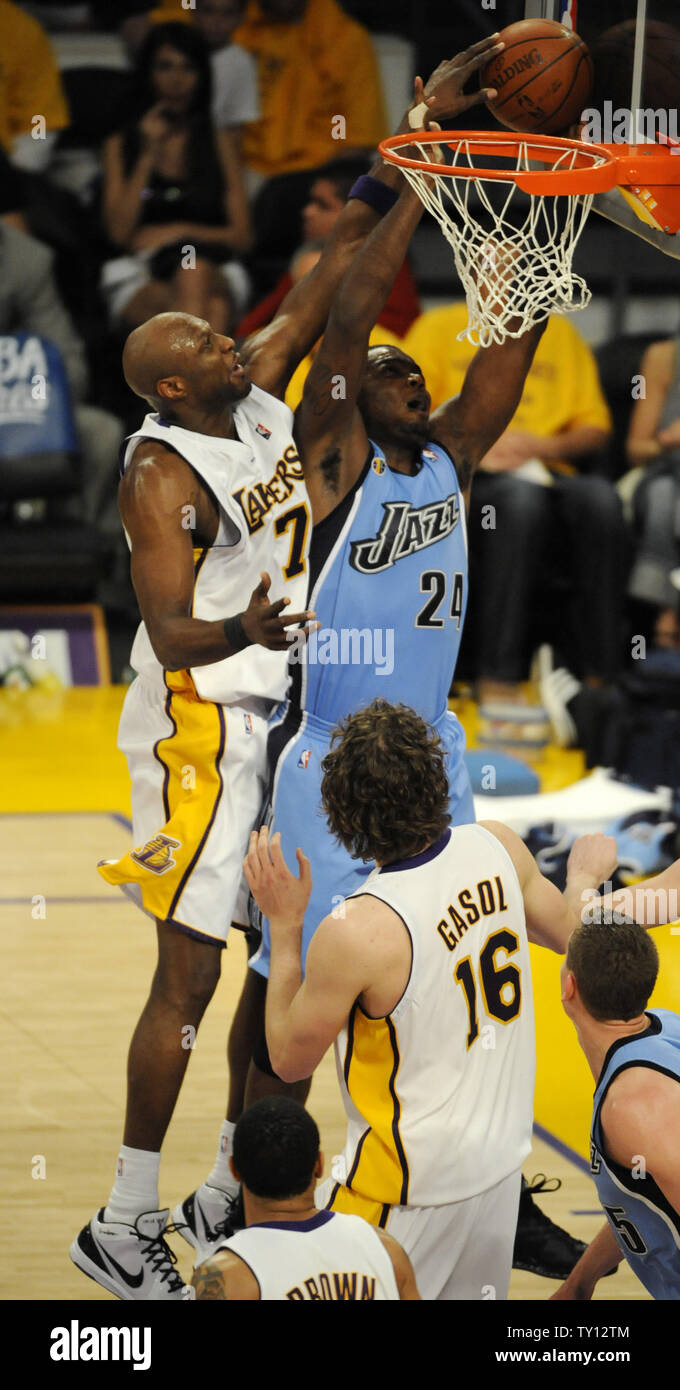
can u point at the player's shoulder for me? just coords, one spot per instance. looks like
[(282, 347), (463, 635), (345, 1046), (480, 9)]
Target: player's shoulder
[(226, 1275), (155, 470), (641, 1101)]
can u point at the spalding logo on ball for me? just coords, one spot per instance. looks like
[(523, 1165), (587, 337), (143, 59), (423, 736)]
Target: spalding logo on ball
[(544, 77)]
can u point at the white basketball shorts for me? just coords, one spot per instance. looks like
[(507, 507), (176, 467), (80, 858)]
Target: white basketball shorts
[(199, 773), (459, 1251)]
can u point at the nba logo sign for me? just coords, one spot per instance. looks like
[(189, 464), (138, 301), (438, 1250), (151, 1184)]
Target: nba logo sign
[(262, 429), (303, 760), (378, 465), (248, 722)]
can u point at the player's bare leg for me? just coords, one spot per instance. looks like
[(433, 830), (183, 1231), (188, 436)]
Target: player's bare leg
[(183, 985)]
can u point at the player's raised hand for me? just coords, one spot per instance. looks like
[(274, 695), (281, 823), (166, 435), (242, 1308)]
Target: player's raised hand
[(443, 91), (263, 622), (593, 856), (280, 895)]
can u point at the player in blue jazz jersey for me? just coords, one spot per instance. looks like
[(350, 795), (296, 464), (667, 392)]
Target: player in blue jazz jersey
[(388, 563), (634, 1054), (388, 559)]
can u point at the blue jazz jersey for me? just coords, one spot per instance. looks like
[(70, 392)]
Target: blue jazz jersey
[(646, 1226), (388, 584)]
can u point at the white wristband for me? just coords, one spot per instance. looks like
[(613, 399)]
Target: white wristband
[(417, 115)]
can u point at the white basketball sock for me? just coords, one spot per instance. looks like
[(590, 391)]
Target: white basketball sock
[(221, 1175), (136, 1187)]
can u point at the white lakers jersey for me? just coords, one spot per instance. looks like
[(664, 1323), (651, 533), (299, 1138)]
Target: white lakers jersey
[(325, 1258), (439, 1094), (264, 524)]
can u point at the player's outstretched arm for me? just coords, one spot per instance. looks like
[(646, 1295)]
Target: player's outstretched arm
[(403, 1269), (551, 916), (471, 422), (274, 352), (653, 902), (329, 430), (155, 496)]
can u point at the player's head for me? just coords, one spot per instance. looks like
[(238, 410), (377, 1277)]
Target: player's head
[(609, 971), (276, 1151), (327, 196), (385, 789), (173, 67), (217, 20), (393, 399), (178, 364)]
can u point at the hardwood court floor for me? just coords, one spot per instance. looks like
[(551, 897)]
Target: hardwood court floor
[(75, 981)]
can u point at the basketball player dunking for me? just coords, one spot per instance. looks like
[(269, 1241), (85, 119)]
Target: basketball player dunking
[(213, 502), (388, 484), (424, 984), (289, 1250)]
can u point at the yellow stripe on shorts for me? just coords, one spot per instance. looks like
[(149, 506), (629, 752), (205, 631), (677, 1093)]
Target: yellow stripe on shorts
[(191, 757)]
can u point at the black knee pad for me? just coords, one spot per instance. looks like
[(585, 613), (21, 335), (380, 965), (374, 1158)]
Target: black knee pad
[(261, 1055)]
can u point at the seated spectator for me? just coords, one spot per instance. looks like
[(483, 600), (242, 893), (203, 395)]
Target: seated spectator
[(327, 197), (235, 92), (30, 303), (317, 68), (30, 87), (172, 183), (528, 497), (653, 451)]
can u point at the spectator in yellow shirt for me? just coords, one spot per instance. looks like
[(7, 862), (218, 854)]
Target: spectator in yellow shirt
[(30, 87), (320, 100), (534, 517)]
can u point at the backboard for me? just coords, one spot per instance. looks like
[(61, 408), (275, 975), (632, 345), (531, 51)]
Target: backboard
[(635, 45)]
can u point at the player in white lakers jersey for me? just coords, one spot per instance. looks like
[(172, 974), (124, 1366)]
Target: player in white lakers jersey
[(290, 1250), (423, 982)]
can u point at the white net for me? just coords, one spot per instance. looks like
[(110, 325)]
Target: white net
[(513, 252)]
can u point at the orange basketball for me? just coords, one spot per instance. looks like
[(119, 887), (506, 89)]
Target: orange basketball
[(544, 77)]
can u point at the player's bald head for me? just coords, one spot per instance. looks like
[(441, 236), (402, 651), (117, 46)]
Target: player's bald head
[(160, 348)]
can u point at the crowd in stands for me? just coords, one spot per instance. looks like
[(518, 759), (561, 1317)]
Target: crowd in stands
[(231, 131)]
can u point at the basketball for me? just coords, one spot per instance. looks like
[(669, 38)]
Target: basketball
[(543, 77), (613, 66)]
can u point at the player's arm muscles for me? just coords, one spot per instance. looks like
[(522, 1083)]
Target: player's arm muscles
[(225, 1277), (551, 916), (303, 1017), (471, 422), (403, 1269), (154, 496), (329, 430)]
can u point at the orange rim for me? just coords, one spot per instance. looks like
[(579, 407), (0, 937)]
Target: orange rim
[(595, 168)]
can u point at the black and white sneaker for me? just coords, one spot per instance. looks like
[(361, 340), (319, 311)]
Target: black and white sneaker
[(131, 1261), (209, 1217)]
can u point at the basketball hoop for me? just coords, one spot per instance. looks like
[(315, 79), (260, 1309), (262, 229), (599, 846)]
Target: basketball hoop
[(514, 262)]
